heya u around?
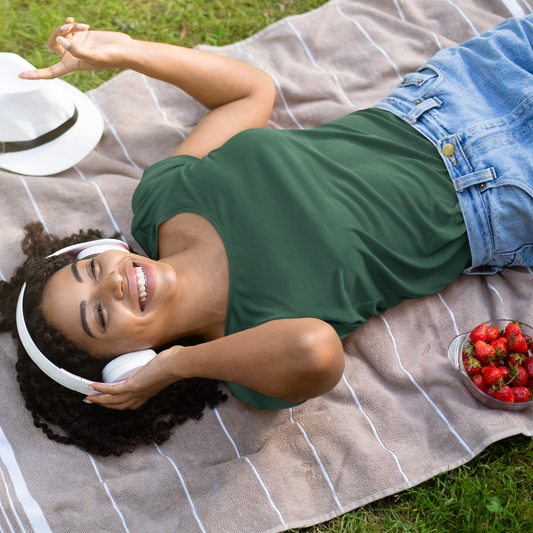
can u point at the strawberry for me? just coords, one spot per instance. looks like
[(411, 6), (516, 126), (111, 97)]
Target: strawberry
[(527, 338), (520, 376), (517, 343), (492, 334), (514, 359), (512, 329), (472, 366), (505, 373), (484, 351), (521, 394), (490, 392), (528, 365), (492, 375), (480, 333), (530, 383), (501, 345), (505, 394), (479, 382)]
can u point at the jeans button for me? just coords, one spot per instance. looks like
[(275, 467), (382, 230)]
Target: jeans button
[(448, 149), (417, 101)]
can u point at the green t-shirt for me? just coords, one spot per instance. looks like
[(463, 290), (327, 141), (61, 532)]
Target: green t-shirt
[(339, 222)]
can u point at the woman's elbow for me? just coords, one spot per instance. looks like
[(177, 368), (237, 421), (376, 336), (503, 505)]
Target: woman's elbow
[(322, 360)]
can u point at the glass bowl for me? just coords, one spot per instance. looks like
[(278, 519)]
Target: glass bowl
[(455, 350)]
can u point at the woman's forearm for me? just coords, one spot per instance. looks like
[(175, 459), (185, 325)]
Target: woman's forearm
[(211, 79)]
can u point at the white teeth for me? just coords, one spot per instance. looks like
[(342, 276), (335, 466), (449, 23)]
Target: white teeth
[(141, 286)]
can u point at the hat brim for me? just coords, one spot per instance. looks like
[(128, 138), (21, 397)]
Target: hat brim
[(68, 149)]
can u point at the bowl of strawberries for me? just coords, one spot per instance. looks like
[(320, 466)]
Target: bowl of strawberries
[(496, 360)]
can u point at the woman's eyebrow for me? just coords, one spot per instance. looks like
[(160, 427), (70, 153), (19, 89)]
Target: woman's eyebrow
[(83, 316), (76, 273), (83, 305)]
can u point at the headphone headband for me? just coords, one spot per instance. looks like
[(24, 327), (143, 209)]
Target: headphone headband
[(118, 369), (84, 249)]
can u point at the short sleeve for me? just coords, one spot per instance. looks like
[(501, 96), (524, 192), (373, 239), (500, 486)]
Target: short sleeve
[(149, 208)]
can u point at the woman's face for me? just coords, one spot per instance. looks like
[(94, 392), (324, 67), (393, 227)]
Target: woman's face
[(98, 303)]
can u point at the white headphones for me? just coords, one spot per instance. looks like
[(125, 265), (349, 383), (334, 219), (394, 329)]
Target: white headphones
[(116, 370)]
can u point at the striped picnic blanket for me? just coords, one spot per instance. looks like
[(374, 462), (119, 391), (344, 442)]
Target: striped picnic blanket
[(398, 416)]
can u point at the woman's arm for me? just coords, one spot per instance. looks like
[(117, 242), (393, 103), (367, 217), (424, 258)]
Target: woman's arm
[(238, 95), (292, 359)]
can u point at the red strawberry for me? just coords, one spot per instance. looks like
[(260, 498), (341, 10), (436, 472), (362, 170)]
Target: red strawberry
[(512, 329), (492, 334), (517, 343), (514, 359), (520, 377), (527, 338), (501, 345), (479, 382), (490, 392), (480, 333), (505, 394), (530, 383), (484, 351), (521, 394), (528, 365), (505, 373), (492, 375), (472, 366)]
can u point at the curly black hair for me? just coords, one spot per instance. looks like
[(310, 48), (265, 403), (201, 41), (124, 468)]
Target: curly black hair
[(59, 411)]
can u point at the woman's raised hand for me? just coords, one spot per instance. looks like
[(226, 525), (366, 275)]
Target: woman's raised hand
[(139, 388), (82, 49)]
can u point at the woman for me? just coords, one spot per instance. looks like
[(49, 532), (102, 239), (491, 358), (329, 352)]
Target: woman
[(270, 246)]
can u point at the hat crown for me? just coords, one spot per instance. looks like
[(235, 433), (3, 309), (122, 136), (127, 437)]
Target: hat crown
[(29, 108)]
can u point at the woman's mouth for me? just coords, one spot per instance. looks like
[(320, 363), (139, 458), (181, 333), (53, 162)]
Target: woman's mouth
[(141, 286)]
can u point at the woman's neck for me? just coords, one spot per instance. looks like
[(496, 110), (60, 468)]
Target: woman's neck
[(203, 287)]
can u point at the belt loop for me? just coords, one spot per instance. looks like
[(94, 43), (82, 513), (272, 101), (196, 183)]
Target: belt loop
[(421, 106)]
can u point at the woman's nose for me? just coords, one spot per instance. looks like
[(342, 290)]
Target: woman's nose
[(114, 284)]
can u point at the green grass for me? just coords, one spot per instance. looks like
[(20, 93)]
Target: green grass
[(493, 492)]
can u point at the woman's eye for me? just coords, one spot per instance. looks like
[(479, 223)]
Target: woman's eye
[(101, 315), (93, 268)]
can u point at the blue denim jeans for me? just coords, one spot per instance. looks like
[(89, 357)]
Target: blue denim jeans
[(474, 102)]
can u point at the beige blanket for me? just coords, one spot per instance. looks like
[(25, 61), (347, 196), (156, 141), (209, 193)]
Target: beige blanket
[(399, 416)]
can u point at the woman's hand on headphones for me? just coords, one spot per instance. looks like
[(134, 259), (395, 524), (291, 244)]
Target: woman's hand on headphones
[(82, 50), (139, 388)]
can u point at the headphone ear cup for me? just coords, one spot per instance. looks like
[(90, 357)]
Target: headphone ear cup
[(126, 365)]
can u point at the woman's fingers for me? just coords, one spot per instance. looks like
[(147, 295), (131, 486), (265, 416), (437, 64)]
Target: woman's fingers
[(66, 31), (117, 402), (45, 73), (63, 44)]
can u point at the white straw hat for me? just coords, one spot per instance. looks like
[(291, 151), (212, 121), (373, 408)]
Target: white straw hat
[(46, 126)]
